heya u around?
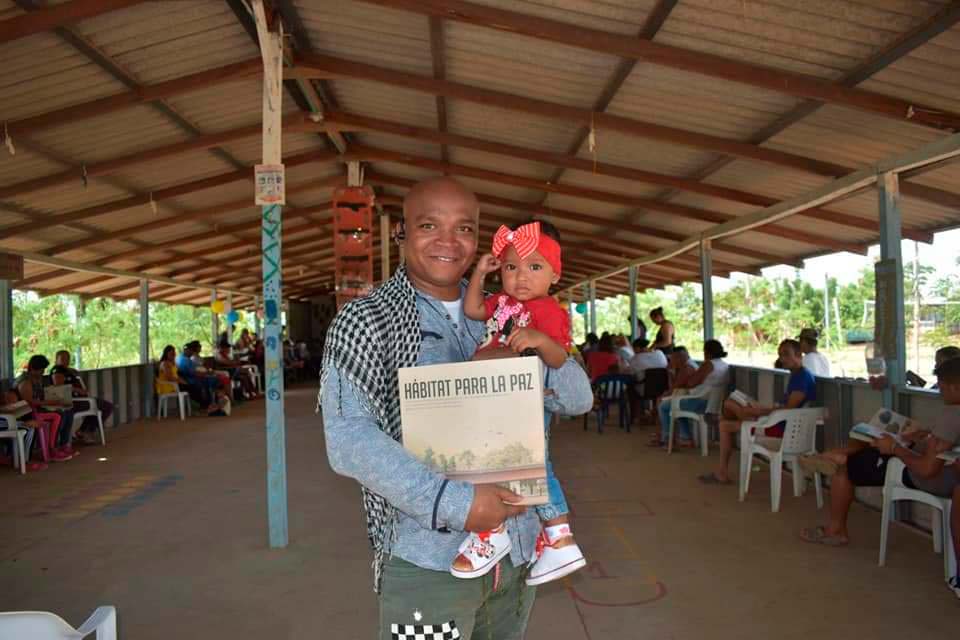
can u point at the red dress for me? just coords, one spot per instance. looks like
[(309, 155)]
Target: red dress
[(504, 313)]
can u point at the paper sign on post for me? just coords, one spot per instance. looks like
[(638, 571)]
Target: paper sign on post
[(269, 184), (479, 422)]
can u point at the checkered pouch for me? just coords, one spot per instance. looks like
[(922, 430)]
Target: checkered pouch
[(445, 631)]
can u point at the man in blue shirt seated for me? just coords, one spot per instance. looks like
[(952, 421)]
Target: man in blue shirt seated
[(202, 387), (801, 390)]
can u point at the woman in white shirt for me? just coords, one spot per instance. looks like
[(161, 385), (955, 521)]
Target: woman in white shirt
[(712, 374), (813, 361)]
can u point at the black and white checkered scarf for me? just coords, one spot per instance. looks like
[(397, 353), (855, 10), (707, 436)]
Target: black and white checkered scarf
[(370, 338)]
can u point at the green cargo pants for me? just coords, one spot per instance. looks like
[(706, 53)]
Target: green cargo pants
[(419, 601)]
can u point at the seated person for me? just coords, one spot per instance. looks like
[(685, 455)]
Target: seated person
[(237, 370), (30, 425), (63, 373), (924, 470), (644, 358), (603, 359), (243, 345), (624, 351), (813, 361), (801, 391), (829, 462), (710, 375), (201, 384), (29, 387)]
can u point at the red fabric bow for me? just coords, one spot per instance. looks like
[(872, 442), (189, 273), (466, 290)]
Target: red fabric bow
[(526, 239)]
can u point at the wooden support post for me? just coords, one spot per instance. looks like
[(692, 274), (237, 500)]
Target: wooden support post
[(6, 331), (256, 316), (706, 283), (78, 356), (632, 283), (586, 316), (271, 49), (144, 321), (890, 326)]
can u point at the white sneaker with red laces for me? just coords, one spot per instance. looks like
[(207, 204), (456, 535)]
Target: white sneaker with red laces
[(555, 560), (481, 552)]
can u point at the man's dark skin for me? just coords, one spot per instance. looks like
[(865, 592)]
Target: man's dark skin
[(441, 225)]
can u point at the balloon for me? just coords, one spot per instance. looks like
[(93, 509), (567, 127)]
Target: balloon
[(581, 308), (232, 317), (216, 306)]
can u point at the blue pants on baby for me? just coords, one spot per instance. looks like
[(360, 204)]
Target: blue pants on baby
[(695, 405), (558, 503)]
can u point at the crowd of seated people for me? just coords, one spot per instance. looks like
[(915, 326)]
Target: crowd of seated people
[(35, 408)]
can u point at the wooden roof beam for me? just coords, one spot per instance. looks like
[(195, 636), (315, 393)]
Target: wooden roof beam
[(314, 65), (371, 154), (768, 78), (601, 168), (533, 208), (53, 16), (162, 194)]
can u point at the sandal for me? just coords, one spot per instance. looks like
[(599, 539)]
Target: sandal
[(711, 478), (819, 535)]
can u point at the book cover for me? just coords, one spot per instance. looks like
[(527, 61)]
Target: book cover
[(479, 422), (883, 421), (17, 409)]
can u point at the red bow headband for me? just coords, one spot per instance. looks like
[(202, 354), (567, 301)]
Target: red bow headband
[(526, 239)]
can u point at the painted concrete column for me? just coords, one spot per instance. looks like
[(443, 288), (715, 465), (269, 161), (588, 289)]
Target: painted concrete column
[(593, 306), (706, 283), (6, 330), (890, 278), (144, 321), (229, 308), (214, 321)]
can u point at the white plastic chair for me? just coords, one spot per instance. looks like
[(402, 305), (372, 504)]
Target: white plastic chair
[(12, 432), (700, 432), (40, 625), (182, 398), (893, 491), (91, 410), (799, 438)]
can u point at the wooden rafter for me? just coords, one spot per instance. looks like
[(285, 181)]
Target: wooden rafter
[(438, 59), (611, 170), (332, 67), (51, 17), (535, 209), (780, 81), (370, 154)]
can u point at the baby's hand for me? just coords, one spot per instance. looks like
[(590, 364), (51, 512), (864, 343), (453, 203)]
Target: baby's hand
[(525, 338), (487, 264)]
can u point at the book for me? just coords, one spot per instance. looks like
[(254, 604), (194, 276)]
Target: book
[(883, 422), (479, 422), (58, 395), (741, 398), (950, 456), (16, 409)]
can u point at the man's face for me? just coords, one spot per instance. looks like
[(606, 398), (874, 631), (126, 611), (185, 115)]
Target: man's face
[(63, 360), (527, 278), (440, 220), (949, 391), (788, 357)]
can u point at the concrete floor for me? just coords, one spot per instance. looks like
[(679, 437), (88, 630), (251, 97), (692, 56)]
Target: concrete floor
[(171, 530)]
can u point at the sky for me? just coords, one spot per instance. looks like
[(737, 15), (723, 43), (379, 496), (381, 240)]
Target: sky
[(846, 267)]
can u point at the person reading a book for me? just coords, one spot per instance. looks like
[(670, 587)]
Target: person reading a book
[(417, 518), (63, 373), (801, 390), (954, 581), (30, 387), (919, 449), (710, 375), (525, 316)]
